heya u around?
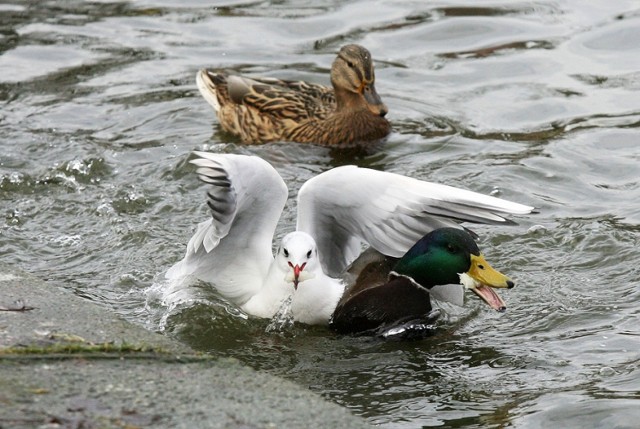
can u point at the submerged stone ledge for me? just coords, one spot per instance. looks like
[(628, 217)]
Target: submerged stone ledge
[(66, 362)]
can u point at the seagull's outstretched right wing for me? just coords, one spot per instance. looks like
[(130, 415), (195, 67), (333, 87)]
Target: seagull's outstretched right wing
[(233, 249)]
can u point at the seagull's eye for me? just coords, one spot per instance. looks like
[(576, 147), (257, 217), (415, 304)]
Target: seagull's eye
[(309, 254), (285, 252)]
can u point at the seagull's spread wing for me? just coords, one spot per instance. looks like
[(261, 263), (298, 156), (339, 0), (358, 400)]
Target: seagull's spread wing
[(232, 250), (346, 206)]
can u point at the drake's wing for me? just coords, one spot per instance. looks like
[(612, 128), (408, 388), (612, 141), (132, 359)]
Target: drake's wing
[(346, 206), (233, 249)]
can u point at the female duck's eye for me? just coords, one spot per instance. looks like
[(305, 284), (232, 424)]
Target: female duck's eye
[(309, 254), (285, 252), (350, 64)]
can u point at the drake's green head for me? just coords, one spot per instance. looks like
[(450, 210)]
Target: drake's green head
[(439, 257), (451, 256)]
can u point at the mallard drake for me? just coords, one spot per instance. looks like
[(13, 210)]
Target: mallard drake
[(388, 292), (262, 110), (338, 210)]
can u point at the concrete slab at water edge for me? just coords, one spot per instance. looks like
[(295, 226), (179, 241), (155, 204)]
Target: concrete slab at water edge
[(37, 313), (69, 363)]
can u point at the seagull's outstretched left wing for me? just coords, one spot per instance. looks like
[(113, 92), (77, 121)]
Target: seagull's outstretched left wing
[(345, 206)]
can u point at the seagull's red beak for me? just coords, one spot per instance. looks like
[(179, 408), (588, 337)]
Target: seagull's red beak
[(297, 269)]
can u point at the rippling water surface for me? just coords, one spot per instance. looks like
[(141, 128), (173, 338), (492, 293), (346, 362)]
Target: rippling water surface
[(537, 102)]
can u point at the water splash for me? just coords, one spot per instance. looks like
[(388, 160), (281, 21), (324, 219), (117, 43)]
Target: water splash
[(158, 307), (413, 329), (166, 298), (283, 319)]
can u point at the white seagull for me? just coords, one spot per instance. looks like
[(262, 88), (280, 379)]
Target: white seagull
[(338, 211)]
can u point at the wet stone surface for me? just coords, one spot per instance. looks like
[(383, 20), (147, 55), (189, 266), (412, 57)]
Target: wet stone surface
[(65, 362)]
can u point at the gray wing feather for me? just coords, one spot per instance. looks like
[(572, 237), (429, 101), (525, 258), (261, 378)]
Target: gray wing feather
[(348, 207), (232, 249)]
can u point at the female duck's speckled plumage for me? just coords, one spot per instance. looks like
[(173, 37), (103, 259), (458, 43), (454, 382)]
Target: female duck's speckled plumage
[(260, 110)]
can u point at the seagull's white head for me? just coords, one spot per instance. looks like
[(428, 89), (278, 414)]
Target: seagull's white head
[(298, 257)]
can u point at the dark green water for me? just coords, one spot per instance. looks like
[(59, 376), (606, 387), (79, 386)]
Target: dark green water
[(537, 102)]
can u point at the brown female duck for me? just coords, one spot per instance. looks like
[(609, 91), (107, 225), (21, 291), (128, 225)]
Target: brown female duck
[(261, 110)]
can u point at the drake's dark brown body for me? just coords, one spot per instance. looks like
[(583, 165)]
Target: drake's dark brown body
[(375, 301), (387, 305)]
